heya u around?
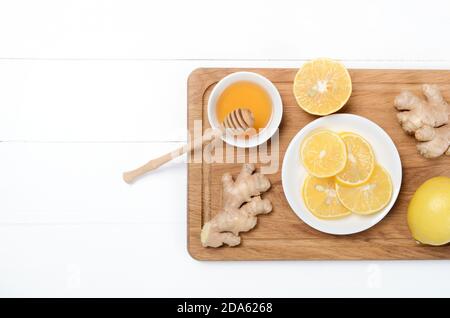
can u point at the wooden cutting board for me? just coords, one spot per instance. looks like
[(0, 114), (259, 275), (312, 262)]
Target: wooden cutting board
[(281, 235)]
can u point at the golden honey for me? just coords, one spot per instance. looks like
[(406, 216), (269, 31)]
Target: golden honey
[(249, 95)]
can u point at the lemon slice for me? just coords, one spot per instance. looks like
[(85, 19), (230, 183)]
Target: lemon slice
[(369, 197), (323, 154), (322, 86), (360, 160), (321, 199)]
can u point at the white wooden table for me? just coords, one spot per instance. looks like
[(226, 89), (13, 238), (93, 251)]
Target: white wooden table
[(91, 88)]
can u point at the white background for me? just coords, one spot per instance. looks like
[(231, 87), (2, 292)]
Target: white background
[(91, 88)]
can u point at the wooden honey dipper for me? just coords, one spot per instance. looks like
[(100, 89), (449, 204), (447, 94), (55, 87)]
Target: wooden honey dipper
[(238, 122)]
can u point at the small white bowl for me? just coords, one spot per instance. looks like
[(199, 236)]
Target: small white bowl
[(293, 173), (277, 108)]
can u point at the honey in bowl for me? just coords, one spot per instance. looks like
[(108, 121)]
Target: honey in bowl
[(245, 94)]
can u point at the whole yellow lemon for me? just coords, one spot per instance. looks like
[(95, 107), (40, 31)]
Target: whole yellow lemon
[(429, 212)]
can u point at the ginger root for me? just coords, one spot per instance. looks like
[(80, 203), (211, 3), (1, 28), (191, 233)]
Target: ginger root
[(428, 120), (242, 204)]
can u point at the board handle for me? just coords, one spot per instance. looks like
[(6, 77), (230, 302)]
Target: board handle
[(131, 176)]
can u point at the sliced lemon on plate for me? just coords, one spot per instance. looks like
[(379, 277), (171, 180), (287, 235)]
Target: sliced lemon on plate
[(323, 154), (319, 195), (360, 160), (322, 86), (369, 197)]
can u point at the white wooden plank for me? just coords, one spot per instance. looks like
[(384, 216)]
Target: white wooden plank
[(150, 260), (111, 100), (82, 183), (92, 101), (234, 29)]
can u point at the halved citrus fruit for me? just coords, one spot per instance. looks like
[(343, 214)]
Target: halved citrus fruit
[(321, 199), (369, 197), (322, 86), (323, 154), (360, 160)]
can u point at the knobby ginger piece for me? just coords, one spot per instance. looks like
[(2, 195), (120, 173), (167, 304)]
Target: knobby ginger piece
[(427, 119), (242, 205)]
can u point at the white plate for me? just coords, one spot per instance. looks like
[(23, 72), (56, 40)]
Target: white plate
[(293, 172)]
